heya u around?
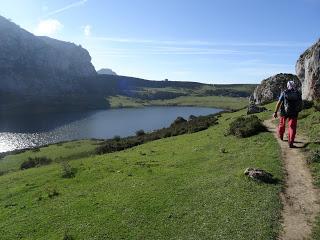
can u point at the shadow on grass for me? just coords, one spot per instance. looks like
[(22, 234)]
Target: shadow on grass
[(274, 181)]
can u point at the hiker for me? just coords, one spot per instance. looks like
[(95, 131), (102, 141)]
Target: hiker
[(290, 104)]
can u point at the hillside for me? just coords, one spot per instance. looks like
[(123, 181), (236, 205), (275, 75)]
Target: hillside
[(32, 65), (185, 187)]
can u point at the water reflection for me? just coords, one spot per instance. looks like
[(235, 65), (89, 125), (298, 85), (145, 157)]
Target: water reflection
[(18, 132)]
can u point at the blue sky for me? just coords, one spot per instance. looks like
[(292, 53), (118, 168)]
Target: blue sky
[(213, 41)]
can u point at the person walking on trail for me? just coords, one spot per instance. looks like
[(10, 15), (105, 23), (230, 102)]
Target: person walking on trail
[(290, 104)]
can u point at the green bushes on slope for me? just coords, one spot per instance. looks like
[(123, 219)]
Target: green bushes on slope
[(178, 127), (35, 162), (246, 126)]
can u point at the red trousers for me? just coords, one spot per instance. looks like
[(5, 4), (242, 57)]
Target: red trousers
[(292, 128)]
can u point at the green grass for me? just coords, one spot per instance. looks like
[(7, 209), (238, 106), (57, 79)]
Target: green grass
[(57, 152), (124, 102), (182, 187), (200, 101), (309, 125)]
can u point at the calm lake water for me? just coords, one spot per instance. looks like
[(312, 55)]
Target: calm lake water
[(23, 131)]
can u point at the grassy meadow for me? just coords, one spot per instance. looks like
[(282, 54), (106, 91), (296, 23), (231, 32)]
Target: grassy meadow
[(199, 101), (232, 97), (186, 187)]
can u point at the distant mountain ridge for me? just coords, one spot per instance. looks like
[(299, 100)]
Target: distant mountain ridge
[(107, 71), (44, 73)]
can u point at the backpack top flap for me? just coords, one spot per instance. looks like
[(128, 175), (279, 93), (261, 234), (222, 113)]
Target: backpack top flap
[(292, 96)]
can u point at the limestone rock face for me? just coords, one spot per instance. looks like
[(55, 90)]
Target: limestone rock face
[(308, 71), (40, 65), (270, 88)]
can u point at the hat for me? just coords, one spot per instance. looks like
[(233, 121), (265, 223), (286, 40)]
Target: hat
[(291, 85)]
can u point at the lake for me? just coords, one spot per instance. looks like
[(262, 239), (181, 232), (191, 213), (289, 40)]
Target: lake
[(33, 130)]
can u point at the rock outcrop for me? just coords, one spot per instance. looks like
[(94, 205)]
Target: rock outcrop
[(107, 71), (270, 88), (259, 175), (32, 65), (308, 71), (253, 108)]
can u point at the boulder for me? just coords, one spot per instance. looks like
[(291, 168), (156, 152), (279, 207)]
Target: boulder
[(308, 71), (270, 89), (253, 108), (259, 175)]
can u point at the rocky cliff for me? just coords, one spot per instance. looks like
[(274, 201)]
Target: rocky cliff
[(32, 65), (308, 71), (270, 88)]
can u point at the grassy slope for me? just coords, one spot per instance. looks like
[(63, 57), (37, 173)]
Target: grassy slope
[(202, 101), (58, 152), (176, 188), (194, 97), (309, 124)]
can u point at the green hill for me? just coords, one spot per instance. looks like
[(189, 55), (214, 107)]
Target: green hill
[(185, 187)]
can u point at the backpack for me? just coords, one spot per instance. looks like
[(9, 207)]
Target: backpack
[(292, 103)]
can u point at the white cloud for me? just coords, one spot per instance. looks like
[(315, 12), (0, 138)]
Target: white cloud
[(48, 27), (67, 7), (87, 30)]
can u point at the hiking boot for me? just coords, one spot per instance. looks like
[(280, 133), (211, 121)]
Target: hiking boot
[(291, 145)]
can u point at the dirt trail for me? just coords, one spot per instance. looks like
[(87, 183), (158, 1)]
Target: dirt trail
[(300, 197)]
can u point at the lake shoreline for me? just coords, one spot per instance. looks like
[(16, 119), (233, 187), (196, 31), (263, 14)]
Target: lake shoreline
[(99, 120)]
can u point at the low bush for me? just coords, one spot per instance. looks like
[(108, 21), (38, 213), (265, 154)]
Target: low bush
[(317, 106), (140, 133), (35, 162), (307, 104), (67, 170), (246, 126), (178, 127), (117, 138)]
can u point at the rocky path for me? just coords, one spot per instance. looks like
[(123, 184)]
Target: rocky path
[(300, 197)]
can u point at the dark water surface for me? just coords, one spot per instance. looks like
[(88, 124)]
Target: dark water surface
[(32, 130)]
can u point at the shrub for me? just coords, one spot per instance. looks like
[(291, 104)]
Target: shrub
[(179, 120), (307, 104), (35, 162), (117, 138), (67, 170), (140, 133), (317, 106), (246, 126), (176, 128)]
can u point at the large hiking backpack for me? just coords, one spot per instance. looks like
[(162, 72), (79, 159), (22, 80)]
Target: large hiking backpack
[(292, 103)]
